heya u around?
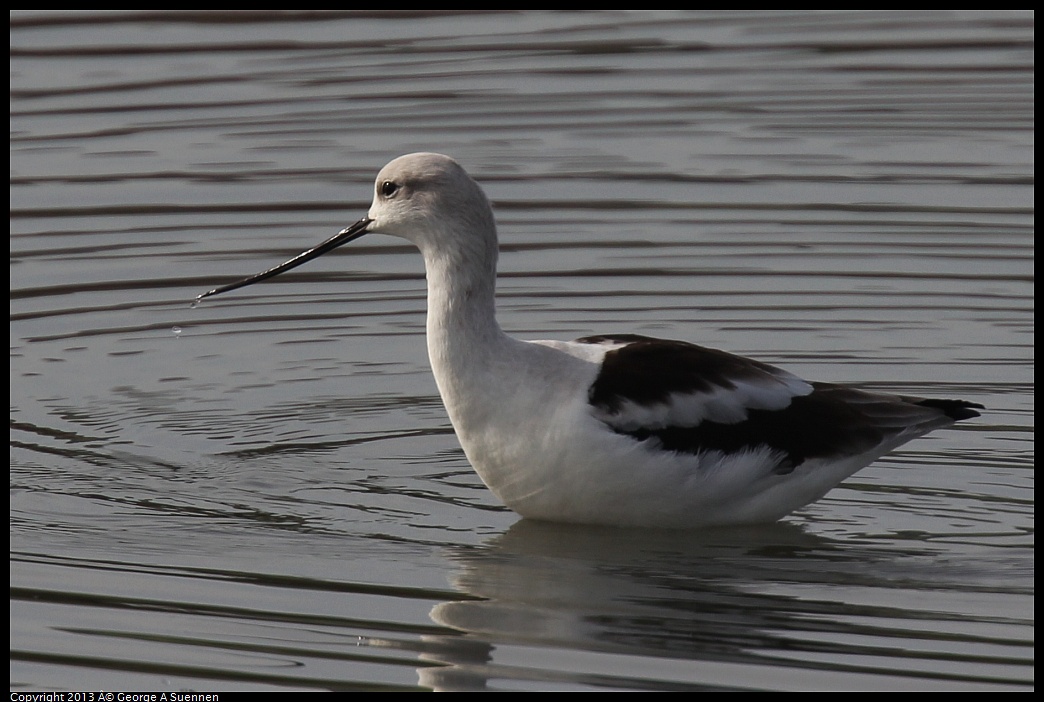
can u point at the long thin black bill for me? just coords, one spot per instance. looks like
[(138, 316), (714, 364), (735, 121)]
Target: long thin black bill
[(342, 237)]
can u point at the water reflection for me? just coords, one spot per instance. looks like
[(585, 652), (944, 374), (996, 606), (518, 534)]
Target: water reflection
[(711, 604)]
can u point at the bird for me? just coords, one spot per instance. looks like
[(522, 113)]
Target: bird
[(615, 429)]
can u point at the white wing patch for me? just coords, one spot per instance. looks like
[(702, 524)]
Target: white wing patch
[(723, 405)]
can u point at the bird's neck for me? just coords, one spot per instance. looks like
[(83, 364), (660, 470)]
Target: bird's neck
[(461, 306), (465, 343)]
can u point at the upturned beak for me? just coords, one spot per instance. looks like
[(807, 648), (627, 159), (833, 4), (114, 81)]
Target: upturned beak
[(342, 237)]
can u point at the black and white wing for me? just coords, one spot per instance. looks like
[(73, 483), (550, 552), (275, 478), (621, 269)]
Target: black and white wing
[(692, 399)]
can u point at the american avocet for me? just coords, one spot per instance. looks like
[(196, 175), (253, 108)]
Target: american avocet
[(618, 429)]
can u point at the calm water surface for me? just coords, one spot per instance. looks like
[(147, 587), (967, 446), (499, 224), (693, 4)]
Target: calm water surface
[(265, 492)]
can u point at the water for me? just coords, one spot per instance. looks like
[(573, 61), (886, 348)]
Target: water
[(272, 497)]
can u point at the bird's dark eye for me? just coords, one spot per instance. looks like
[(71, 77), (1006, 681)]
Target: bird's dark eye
[(389, 188)]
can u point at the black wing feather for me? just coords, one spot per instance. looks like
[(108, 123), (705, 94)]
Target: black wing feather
[(830, 421)]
